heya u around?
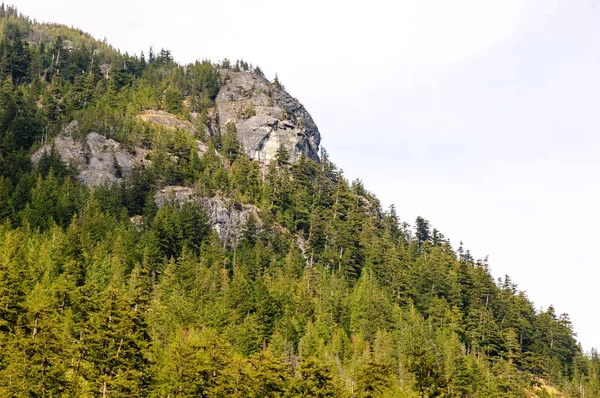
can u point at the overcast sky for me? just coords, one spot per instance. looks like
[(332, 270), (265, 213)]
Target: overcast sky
[(481, 116)]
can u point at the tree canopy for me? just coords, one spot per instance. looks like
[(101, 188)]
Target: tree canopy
[(324, 294)]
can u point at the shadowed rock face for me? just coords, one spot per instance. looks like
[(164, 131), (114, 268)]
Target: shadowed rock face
[(265, 117), (227, 219)]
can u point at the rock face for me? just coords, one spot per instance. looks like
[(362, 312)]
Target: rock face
[(168, 120), (165, 119), (99, 160), (228, 219), (265, 117)]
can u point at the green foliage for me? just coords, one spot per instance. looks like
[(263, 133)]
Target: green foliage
[(282, 156), (177, 227), (373, 380), (320, 294), (247, 112), (174, 101), (231, 147), (314, 380)]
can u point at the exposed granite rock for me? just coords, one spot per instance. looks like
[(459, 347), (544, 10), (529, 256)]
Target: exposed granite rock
[(177, 193), (99, 160), (202, 148), (265, 117), (165, 119), (227, 218), (168, 120)]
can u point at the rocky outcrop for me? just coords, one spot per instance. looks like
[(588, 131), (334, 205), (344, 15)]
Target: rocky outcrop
[(165, 119), (227, 218), (265, 116), (168, 120), (98, 159), (175, 193)]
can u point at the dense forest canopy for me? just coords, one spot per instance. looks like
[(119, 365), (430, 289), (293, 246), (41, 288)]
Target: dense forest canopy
[(105, 293)]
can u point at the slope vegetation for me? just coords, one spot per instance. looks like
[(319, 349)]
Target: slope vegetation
[(147, 248)]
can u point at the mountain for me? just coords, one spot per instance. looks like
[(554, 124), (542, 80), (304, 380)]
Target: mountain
[(175, 230)]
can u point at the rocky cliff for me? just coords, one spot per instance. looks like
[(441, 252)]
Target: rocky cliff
[(265, 116), (227, 218), (98, 159), (165, 119)]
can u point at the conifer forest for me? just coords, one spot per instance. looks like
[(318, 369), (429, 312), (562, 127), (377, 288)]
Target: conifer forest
[(297, 284)]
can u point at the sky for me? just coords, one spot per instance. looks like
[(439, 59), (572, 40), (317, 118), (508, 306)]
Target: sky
[(481, 116)]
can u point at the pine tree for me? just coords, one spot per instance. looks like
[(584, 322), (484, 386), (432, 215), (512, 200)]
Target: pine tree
[(231, 145), (318, 293), (282, 156), (268, 375), (373, 380), (115, 344), (314, 380), (6, 210), (422, 230), (195, 365)]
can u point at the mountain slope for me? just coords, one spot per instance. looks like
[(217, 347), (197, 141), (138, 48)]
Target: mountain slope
[(171, 230)]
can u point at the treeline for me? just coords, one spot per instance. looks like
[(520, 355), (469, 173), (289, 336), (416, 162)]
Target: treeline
[(323, 295)]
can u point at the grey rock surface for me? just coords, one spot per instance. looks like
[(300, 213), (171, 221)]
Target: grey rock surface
[(168, 120), (228, 219), (165, 119), (175, 193), (265, 117), (98, 159)]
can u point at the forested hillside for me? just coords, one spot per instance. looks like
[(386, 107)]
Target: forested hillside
[(107, 291)]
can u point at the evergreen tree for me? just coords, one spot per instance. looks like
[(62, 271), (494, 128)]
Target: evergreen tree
[(314, 380), (373, 380), (314, 291)]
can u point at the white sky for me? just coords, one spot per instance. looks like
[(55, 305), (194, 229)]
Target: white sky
[(481, 116)]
